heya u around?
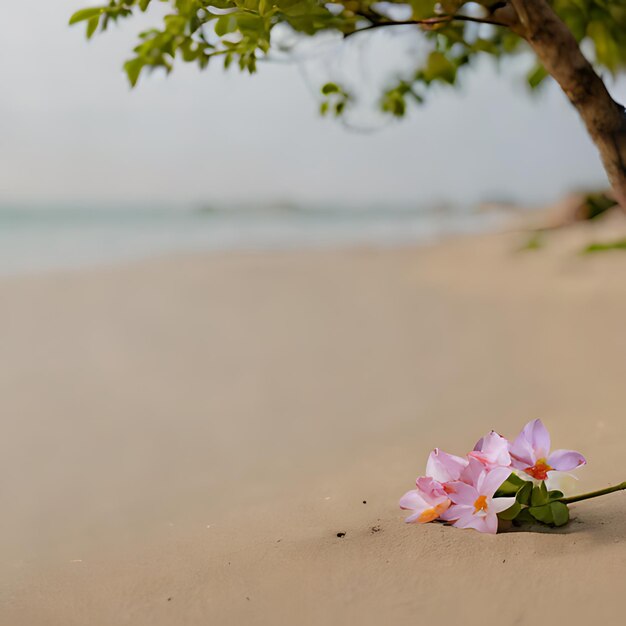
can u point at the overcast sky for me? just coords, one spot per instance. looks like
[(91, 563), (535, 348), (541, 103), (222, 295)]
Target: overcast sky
[(72, 131)]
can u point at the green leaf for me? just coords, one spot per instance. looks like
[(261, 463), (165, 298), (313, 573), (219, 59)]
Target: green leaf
[(510, 486), (539, 495), (536, 76), (450, 7), (560, 513), (92, 25), (511, 512), (329, 88), (523, 495), (524, 517), (542, 513), (604, 247), (422, 8), (439, 67), (225, 24), (86, 14), (555, 494), (133, 69)]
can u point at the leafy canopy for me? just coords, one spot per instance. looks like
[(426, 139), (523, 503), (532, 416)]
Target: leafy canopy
[(240, 31)]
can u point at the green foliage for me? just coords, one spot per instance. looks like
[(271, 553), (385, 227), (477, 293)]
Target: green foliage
[(335, 99), (511, 513), (533, 503), (542, 513), (603, 23), (240, 32), (510, 486), (524, 493), (534, 242), (560, 513), (539, 495), (537, 76), (620, 244), (595, 204)]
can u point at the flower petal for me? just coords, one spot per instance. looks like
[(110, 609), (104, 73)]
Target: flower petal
[(444, 467), (490, 525), (460, 514), (473, 470), (413, 500), (462, 493), (531, 444), (483, 524), (539, 438), (497, 505), (489, 483), (455, 512), (562, 481), (565, 460), (430, 487), (492, 449), (522, 453)]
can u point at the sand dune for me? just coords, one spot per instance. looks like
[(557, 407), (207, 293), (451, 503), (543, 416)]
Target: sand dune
[(184, 438)]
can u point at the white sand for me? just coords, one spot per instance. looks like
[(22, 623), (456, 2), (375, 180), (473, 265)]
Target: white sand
[(182, 439)]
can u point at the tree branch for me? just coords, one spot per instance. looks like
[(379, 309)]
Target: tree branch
[(427, 22), (559, 52)]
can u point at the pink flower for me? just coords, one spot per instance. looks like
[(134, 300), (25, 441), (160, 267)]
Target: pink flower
[(430, 499), (430, 486), (444, 467), (530, 452), (473, 506), (426, 506), (492, 450)]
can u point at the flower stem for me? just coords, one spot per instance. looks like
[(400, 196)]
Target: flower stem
[(593, 494)]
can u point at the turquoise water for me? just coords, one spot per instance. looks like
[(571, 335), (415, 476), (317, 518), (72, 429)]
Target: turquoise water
[(47, 239)]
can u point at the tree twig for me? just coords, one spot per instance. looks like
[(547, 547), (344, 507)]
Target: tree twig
[(429, 21)]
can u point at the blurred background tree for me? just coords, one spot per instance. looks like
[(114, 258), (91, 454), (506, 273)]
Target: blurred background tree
[(572, 40)]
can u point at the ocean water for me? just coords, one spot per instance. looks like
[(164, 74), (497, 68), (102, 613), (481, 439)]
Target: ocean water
[(34, 240)]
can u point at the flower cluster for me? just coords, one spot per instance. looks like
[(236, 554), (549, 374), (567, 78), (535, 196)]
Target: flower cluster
[(498, 480)]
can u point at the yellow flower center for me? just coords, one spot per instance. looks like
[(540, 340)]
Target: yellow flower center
[(480, 504), (539, 470), (431, 514)]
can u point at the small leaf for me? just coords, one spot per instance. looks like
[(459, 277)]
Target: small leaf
[(86, 14), (511, 512), (555, 494), (536, 76), (92, 25), (542, 513), (524, 493), (439, 67), (510, 486), (422, 8), (225, 24), (539, 495), (133, 69), (524, 517), (329, 88), (560, 513)]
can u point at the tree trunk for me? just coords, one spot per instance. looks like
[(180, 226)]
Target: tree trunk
[(560, 54)]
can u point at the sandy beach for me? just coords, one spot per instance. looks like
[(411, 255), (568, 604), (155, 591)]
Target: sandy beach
[(184, 438)]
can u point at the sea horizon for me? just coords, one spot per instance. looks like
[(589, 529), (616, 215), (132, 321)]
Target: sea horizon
[(38, 238)]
